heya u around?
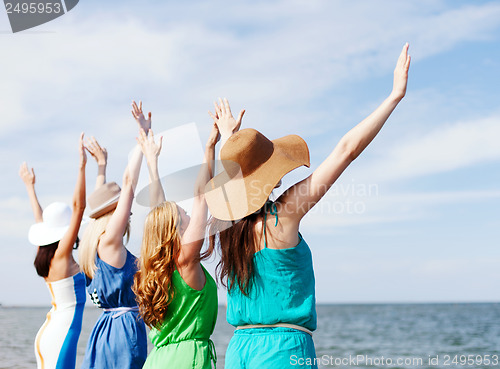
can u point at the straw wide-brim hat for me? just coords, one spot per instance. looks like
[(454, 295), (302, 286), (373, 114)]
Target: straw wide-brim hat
[(56, 219), (104, 199), (253, 166)]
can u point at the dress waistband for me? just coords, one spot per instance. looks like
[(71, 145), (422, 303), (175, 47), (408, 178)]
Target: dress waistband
[(277, 325), (121, 310), (211, 347)]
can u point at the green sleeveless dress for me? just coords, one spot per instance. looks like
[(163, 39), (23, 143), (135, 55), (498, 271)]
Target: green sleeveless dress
[(184, 339)]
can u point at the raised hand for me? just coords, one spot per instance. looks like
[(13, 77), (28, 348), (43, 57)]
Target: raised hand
[(224, 119), (149, 147), (27, 175), (214, 136), (144, 123), (99, 153), (83, 155), (151, 151), (401, 73)]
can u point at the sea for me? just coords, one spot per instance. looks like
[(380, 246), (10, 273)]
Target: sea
[(454, 335)]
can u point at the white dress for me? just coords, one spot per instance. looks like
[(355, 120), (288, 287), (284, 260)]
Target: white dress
[(57, 339)]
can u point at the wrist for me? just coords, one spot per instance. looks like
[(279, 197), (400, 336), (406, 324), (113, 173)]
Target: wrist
[(102, 164), (224, 137), (396, 96), (152, 161)]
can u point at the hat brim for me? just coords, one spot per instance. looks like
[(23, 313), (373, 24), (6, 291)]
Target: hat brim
[(235, 197), (40, 234), (104, 208)]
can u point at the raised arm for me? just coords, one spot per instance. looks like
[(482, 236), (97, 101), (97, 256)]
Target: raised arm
[(151, 151), (65, 247), (28, 177), (194, 235), (100, 155), (300, 198), (110, 248)]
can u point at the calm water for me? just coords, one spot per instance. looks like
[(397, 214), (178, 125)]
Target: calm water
[(385, 335)]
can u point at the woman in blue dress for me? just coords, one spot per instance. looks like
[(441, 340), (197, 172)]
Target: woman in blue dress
[(118, 339), (265, 262)]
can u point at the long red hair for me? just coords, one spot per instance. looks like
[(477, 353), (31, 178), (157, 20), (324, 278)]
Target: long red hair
[(160, 249)]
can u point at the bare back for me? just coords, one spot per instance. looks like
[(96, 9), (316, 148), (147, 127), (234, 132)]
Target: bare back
[(62, 267)]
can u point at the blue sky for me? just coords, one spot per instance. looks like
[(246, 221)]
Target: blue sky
[(429, 228)]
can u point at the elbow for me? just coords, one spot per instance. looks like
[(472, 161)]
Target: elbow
[(348, 151), (79, 206)]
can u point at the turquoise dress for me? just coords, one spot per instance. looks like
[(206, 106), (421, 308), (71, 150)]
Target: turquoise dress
[(282, 291)]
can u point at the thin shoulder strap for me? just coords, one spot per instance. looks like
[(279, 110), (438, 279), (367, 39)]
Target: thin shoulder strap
[(273, 211)]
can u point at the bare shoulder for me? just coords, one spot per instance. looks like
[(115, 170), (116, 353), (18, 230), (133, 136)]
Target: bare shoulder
[(281, 232)]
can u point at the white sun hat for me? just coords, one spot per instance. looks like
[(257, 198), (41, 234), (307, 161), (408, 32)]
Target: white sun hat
[(56, 219)]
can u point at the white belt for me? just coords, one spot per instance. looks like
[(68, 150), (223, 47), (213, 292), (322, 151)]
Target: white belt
[(121, 310), (281, 325)]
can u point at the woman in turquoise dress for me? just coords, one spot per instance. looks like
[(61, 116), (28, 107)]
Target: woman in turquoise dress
[(265, 262)]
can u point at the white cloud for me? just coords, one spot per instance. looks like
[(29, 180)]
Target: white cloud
[(442, 149), (336, 211)]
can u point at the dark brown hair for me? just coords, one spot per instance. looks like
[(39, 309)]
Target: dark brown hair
[(44, 257), (237, 248)]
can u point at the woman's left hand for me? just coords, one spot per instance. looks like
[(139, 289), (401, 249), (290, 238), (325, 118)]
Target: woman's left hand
[(214, 136), (144, 123), (27, 175), (100, 154), (401, 74)]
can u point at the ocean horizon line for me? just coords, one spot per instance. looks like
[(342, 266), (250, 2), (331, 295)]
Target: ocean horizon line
[(351, 303)]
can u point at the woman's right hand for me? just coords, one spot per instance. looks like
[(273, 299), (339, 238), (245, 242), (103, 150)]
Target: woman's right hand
[(224, 119), (27, 175), (149, 147)]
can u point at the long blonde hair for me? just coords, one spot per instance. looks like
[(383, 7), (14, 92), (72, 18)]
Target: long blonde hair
[(87, 250), (161, 245)]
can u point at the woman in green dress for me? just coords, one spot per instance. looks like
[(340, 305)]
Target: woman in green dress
[(177, 297)]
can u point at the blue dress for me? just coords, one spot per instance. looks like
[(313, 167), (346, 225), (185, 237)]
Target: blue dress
[(282, 291), (118, 340)]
